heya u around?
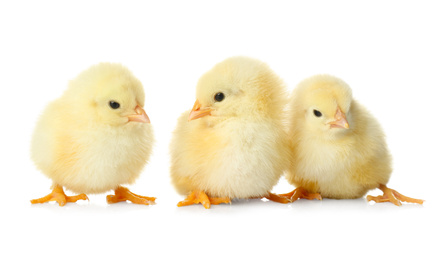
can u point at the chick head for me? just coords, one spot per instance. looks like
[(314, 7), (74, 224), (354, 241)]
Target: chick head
[(238, 87), (108, 93), (325, 101)]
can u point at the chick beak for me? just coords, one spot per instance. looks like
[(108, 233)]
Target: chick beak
[(340, 120), (197, 111), (140, 115)]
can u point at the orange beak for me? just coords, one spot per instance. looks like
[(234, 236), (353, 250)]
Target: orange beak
[(340, 120), (141, 115), (198, 112)]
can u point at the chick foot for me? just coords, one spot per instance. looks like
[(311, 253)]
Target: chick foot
[(60, 197), (393, 196), (197, 197), (123, 194), (278, 198), (300, 193)]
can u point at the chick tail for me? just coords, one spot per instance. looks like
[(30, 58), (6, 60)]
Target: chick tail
[(123, 194), (300, 193), (59, 196), (200, 197), (393, 196)]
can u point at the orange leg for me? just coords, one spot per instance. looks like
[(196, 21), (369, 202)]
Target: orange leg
[(197, 197), (58, 195), (123, 194), (278, 198), (393, 196), (300, 193)]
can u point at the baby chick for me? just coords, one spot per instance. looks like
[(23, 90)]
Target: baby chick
[(338, 147), (95, 137), (232, 143)]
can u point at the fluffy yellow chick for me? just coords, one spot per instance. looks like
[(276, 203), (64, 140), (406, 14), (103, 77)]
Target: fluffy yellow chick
[(338, 147), (232, 143), (95, 137)]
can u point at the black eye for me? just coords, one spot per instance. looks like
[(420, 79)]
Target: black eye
[(317, 113), (114, 105), (219, 96)]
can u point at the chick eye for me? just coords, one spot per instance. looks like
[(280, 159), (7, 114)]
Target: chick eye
[(219, 96), (114, 105), (317, 113)]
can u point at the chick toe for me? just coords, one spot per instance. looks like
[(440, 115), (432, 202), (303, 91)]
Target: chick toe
[(301, 193), (216, 201), (200, 197), (60, 197), (404, 198), (393, 196), (123, 194), (196, 197), (277, 198)]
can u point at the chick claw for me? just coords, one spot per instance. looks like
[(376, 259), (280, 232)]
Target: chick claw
[(197, 197), (123, 194), (60, 197), (393, 196), (300, 193)]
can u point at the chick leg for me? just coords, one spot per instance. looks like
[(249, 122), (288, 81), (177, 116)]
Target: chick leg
[(393, 196), (301, 193), (58, 195), (197, 197), (123, 194), (278, 198)]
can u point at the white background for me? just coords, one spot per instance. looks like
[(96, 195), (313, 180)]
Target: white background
[(390, 52)]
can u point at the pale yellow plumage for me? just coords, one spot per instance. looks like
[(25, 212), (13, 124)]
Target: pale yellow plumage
[(238, 150), (85, 145), (327, 157)]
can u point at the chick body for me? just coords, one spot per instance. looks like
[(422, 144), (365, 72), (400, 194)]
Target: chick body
[(86, 146), (239, 151), (340, 152), (238, 159), (90, 158)]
